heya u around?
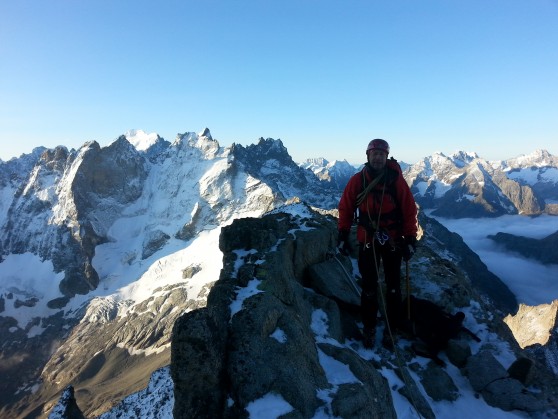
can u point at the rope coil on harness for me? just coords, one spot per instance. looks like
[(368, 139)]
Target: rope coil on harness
[(362, 196)]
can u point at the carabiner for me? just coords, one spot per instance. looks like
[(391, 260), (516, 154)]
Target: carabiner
[(382, 237)]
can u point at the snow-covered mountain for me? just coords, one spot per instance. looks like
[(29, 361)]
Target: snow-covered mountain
[(465, 185), (98, 242), (102, 249), (337, 173)]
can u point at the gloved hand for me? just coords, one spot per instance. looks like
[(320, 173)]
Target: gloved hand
[(409, 247), (343, 242)]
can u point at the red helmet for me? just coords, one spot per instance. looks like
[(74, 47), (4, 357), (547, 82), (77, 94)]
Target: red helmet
[(378, 144)]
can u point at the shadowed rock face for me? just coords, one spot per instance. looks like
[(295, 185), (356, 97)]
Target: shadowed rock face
[(269, 346), (300, 313), (544, 250)]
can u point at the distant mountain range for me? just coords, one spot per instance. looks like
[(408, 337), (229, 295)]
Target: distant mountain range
[(465, 185), (102, 249)]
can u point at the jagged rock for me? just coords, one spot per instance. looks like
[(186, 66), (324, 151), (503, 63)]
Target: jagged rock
[(522, 369), (197, 365), (368, 399), (458, 352), (533, 325), (67, 407), (522, 196), (155, 401), (482, 369), (153, 242), (332, 279), (270, 161), (491, 379), (509, 394), (285, 272), (546, 354), (256, 359), (438, 384), (412, 393), (190, 271)]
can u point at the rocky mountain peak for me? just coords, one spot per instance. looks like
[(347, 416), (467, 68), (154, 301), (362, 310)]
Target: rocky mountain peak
[(151, 144), (463, 158), (285, 299), (206, 133), (314, 162), (466, 185), (538, 158), (206, 146), (271, 149)]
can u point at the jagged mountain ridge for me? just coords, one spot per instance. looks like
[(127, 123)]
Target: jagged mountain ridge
[(337, 173), (104, 218), (115, 222), (466, 185)]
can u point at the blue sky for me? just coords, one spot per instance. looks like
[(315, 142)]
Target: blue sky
[(323, 76)]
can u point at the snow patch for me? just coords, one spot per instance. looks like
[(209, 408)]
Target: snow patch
[(140, 139)]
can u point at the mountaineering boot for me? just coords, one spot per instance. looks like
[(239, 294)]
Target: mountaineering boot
[(368, 337)]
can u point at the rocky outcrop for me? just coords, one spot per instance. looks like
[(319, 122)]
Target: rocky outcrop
[(67, 407), (274, 323), (522, 196), (533, 325), (499, 388), (536, 330), (138, 340), (544, 250)]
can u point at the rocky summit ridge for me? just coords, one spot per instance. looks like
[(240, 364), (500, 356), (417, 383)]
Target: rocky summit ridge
[(103, 250), (283, 312)]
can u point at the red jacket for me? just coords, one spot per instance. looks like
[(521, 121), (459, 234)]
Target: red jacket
[(397, 210)]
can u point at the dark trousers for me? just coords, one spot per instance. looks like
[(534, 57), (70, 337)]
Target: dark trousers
[(390, 258)]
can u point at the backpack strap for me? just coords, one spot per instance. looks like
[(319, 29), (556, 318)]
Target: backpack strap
[(389, 187)]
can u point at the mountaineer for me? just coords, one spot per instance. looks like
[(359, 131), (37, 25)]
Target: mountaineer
[(386, 232)]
